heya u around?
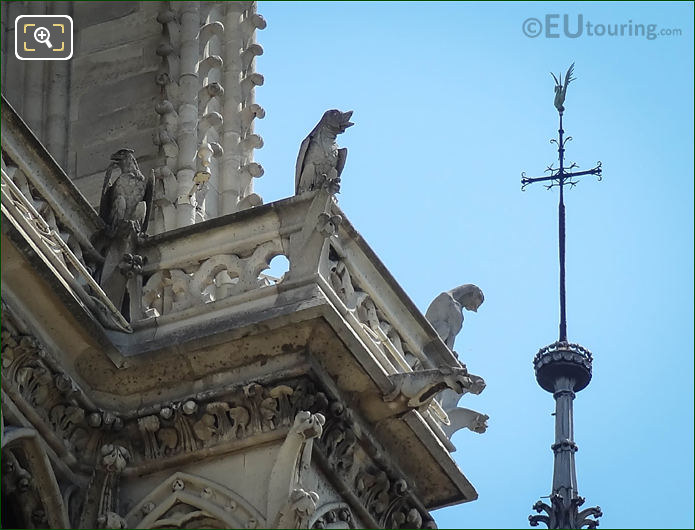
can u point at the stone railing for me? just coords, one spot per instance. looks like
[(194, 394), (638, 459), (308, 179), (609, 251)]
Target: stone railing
[(215, 268), (50, 214), (225, 258)]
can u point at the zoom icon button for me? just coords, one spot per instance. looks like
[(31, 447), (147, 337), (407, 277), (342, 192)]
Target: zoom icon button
[(43, 37)]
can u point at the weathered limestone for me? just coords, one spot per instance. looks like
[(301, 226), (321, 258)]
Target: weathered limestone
[(179, 81), (227, 373), (166, 380)]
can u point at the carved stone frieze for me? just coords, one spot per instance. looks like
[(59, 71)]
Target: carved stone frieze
[(191, 424)]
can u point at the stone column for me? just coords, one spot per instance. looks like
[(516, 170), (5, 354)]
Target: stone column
[(188, 111), (240, 110)]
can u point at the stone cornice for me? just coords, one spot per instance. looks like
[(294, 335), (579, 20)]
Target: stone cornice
[(223, 421)]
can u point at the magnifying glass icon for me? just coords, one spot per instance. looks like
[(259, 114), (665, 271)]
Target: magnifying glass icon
[(42, 35)]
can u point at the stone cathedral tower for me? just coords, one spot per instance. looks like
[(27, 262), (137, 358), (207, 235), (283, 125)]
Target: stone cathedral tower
[(163, 380)]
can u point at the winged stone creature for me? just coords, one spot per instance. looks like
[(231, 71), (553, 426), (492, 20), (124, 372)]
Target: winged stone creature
[(126, 196), (560, 89), (445, 313), (320, 160)]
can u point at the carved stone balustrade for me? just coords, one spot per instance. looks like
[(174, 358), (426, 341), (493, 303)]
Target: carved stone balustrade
[(323, 385)]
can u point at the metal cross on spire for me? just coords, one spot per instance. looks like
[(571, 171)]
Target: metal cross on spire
[(560, 177), (563, 368)]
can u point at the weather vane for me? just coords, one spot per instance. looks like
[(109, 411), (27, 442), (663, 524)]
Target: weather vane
[(563, 368), (560, 177)]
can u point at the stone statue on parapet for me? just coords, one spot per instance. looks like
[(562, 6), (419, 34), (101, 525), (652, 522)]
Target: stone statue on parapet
[(445, 313), (126, 196), (320, 162), (125, 207)]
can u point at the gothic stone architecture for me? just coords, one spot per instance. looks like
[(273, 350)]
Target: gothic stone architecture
[(163, 380)]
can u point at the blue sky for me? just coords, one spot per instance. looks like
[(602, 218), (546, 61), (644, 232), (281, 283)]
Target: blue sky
[(451, 102)]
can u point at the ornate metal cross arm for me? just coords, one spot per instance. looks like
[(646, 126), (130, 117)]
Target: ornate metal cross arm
[(566, 176)]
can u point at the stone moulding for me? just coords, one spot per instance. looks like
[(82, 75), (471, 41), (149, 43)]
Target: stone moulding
[(205, 498), (191, 426)]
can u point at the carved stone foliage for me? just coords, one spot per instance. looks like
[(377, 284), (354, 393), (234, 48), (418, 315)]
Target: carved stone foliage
[(191, 424), (334, 515), (339, 440), (187, 426), (385, 495), (52, 394), (189, 501), (216, 278), (369, 315)]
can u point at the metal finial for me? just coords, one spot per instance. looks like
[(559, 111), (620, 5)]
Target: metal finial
[(560, 177)]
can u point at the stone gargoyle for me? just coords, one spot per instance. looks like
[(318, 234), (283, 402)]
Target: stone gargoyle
[(462, 418), (445, 313), (289, 504), (420, 387), (320, 161)]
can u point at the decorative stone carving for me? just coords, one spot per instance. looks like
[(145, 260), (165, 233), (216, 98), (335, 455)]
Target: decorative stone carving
[(165, 192), (126, 206), (19, 487), (334, 515), (462, 418), (63, 251), (339, 440), (188, 501), (289, 505), (445, 313), (419, 388), (126, 197), (101, 504), (216, 278), (320, 162), (371, 318), (51, 394), (190, 425)]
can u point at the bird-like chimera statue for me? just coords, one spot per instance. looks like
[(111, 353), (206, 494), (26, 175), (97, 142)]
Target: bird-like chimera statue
[(320, 161), (127, 195)]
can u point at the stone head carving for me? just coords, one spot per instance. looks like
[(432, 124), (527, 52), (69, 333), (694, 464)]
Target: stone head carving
[(469, 296)]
